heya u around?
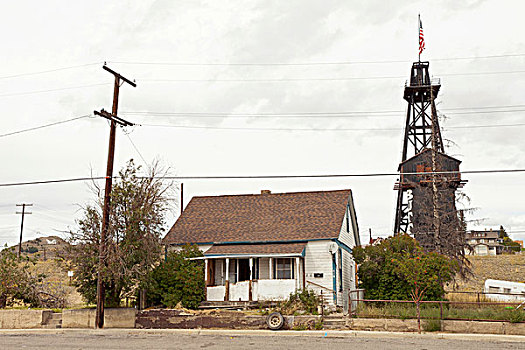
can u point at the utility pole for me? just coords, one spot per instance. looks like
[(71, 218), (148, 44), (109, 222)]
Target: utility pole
[(181, 198), (101, 293), (23, 212)]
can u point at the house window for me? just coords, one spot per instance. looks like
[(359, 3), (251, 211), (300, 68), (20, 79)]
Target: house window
[(283, 268), (233, 271)]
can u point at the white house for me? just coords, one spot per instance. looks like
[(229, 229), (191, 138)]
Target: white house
[(265, 246)]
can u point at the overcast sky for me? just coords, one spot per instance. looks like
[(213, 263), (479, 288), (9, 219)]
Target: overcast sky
[(187, 58)]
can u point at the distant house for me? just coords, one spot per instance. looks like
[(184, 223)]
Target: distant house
[(485, 243), (265, 246)]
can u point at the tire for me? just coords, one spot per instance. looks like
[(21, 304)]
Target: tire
[(275, 321)]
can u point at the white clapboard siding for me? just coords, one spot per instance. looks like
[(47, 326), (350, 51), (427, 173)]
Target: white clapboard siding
[(346, 235), (319, 260), (202, 247)]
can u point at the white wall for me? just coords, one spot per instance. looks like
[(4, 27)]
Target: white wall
[(240, 291), (273, 289), (346, 234), (176, 248), (216, 293), (318, 259)]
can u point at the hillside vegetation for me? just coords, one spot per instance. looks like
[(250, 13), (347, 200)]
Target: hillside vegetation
[(499, 267)]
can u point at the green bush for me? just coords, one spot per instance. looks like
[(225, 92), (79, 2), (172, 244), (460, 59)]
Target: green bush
[(517, 316), (432, 325), (391, 269), (177, 280), (318, 325), (30, 250), (305, 300)]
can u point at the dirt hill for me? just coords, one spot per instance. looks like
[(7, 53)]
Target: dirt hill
[(499, 267), (43, 248)]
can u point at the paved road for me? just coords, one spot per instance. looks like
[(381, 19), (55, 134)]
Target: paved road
[(231, 340)]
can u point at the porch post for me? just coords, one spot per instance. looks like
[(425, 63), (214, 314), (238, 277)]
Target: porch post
[(205, 279), (227, 281), (297, 273), (250, 298), (270, 263), (205, 272)]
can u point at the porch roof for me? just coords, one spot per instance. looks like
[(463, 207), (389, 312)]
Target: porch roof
[(265, 249)]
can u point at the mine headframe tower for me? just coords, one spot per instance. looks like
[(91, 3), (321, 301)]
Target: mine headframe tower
[(428, 200)]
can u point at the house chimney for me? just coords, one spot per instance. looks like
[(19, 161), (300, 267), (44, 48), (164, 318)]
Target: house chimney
[(263, 192)]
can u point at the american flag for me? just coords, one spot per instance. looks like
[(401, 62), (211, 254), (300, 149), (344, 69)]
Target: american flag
[(421, 38)]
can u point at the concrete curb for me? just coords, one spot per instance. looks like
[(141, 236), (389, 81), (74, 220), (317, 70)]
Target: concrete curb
[(266, 333)]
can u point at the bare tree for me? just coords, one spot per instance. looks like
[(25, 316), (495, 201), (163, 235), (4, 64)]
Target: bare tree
[(137, 220)]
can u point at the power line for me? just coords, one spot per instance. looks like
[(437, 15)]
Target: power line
[(347, 114), (49, 70), (241, 128), (44, 126), (273, 80), (306, 63), (52, 90), (319, 129), (248, 177), (136, 149)]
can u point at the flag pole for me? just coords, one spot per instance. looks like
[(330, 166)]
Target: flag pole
[(418, 37)]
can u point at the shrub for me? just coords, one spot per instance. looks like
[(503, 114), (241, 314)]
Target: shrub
[(391, 269), (177, 280), (517, 316), (305, 300), (432, 325)]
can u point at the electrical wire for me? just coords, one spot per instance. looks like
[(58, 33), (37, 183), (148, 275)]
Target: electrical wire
[(52, 90), (248, 177), (319, 129), (349, 114), (274, 80), (44, 126), (307, 63), (136, 149), (49, 70)]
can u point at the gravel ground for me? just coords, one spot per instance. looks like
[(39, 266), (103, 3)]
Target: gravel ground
[(146, 340)]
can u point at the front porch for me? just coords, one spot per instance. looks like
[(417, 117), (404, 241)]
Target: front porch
[(253, 272)]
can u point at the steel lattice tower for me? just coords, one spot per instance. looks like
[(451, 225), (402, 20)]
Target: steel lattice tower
[(426, 197), (421, 126)]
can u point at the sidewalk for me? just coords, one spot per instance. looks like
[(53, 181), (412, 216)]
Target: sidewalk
[(266, 333)]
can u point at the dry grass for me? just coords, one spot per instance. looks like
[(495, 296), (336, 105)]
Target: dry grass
[(499, 267), (57, 281), (432, 311)]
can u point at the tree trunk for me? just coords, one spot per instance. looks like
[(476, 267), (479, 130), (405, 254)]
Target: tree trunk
[(418, 318)]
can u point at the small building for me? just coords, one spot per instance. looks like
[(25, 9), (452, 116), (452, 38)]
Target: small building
[(485, 243), (266, 246), (504, 290)]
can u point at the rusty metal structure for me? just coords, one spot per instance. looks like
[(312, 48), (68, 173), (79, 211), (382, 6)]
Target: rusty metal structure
[(426, 202)]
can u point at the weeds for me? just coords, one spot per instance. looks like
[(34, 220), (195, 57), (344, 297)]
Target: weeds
[(298, 303), (459, 312), (432, 325)]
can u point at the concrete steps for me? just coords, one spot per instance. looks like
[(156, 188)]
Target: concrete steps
[(54, 321), (334, 322)]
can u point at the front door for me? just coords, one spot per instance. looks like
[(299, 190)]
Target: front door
[(244, 270)]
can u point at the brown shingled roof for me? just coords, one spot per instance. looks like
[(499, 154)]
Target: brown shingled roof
[(256, 249), (260, 218)]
